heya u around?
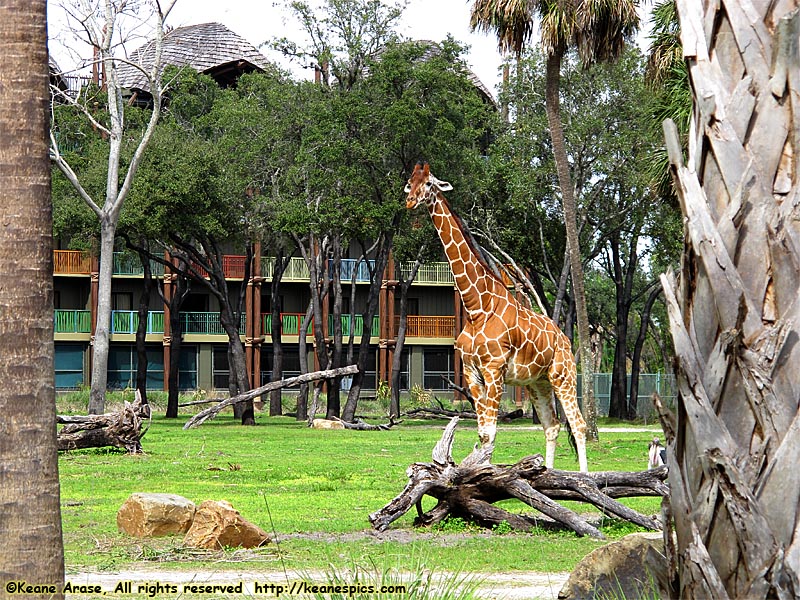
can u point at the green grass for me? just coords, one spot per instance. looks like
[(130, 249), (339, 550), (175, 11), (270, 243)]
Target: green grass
[(315, 489)]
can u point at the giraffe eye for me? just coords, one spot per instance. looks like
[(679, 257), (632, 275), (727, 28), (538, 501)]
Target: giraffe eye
[(428, 184)]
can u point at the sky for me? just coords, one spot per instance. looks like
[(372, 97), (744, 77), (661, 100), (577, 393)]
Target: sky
[(259, 21)]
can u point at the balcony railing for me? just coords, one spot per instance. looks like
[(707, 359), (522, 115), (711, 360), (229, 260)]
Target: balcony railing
[(72, 321), (437, 273), (358, 325), (428, 327), (127, 321), (290, 323), (233, 266), (348, 265), (71, 262), (126, 263), (205, 323), (295, 271)]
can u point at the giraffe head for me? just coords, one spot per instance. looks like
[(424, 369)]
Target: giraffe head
[(423, 186)]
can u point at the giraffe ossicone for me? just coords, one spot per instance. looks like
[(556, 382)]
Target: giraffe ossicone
[(502, 341)]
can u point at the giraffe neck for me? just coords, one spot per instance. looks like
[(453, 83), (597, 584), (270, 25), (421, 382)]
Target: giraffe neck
[(472, 279)]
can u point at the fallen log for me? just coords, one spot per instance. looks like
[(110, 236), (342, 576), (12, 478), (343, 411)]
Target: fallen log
[(121, 429), (361, 425), (431, 412), (469, 491), (213, 411)]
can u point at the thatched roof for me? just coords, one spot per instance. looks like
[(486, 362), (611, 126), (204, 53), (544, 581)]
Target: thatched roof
[(431, 49), (209, 48)]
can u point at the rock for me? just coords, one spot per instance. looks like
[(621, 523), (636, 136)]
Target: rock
[(152, 515), (628, 568), (326, 424), (218, 525)]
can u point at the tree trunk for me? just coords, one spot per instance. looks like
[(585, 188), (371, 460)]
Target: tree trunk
[(141, 328), (376, 282), (275, 396), (397, 359), (102, 329), (302, 395), (636, 366), (553, 110), (622, 275), (182, 288), (735, 317), (30, 516)]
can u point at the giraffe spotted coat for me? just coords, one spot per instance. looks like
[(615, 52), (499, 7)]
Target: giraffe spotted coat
[(502, 341)]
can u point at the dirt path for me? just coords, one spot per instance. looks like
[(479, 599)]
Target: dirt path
[(163, 584)]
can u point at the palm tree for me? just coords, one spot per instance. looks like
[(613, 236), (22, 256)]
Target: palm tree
[(29, 493), (597, 29), (735, 313)]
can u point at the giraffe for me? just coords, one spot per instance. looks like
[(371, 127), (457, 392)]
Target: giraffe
[(502, 341)]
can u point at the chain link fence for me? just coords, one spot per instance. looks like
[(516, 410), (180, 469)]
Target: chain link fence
[(661, 383)]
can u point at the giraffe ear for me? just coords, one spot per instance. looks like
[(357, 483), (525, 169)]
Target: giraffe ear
[(442, 185), (407, 189)]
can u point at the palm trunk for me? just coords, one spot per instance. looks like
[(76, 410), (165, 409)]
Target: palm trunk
[(32, 548), (735, 317), (553, 109)]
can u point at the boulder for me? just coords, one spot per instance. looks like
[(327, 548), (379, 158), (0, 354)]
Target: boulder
[(151, 515), (326, 424), (218, 525), (628, 568)]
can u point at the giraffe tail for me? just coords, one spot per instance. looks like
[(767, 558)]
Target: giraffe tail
[(571, 437)]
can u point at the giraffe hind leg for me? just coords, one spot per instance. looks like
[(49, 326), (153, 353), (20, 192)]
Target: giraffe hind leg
[(542, 398), (564, 383)]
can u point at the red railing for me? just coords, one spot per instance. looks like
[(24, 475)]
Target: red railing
[(233, 266)]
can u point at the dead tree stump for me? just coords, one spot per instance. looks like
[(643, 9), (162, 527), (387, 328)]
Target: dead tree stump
[(121, 429), (469, 490)]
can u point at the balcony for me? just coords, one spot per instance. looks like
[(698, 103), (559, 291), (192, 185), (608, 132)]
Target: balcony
[(358, 325), (436, 273), (295, 271), (290, 323), (71, 262), (72, 321), (127, 321), (428, 327), (205, 323), (126, 263), (348, 267)]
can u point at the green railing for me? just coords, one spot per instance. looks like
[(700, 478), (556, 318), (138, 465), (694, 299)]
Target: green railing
[(205, 323), (290, 323), (73, 321), (127, 263), (127, 321), (358, 325)]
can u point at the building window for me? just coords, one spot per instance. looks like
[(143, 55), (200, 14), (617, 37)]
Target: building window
[(405, 376), (122, 364), (436, 363), (291, 363), (121, 301), (187, 368), (221, 368), (69, 366)]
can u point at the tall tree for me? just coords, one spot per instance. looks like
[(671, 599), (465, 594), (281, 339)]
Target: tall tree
[(735, 316), (598, 30), (30, 513), (100, 23)]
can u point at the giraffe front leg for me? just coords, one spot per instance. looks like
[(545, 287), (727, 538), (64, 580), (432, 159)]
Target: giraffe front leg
[(484, 389)]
